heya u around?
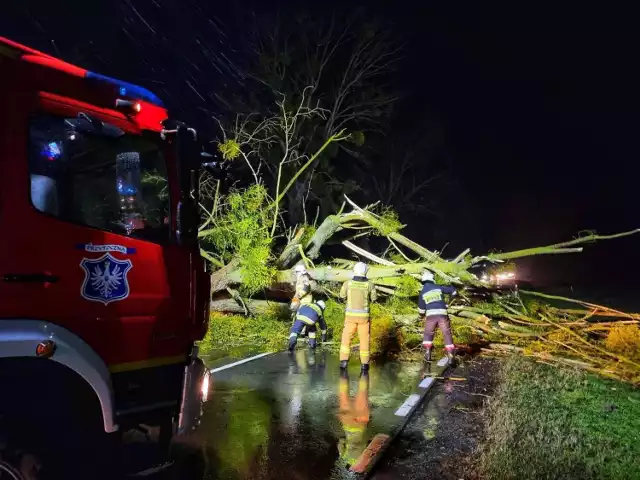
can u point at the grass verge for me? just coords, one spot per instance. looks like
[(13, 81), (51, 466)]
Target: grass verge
[(552, 423)]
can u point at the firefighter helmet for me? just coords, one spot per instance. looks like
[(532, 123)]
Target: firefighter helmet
[(427, 276), (360, 269), (300, 270), (321, 304)]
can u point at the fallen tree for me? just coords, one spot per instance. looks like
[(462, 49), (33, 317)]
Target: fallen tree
[(588, 336), (252, 252)]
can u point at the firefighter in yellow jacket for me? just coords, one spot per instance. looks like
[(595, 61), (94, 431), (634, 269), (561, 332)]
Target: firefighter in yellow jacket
[(354, 415), (303, 295), (359, 292)]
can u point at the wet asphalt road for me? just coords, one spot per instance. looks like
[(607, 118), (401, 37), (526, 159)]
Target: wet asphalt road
[(292, 417), (443, 438)]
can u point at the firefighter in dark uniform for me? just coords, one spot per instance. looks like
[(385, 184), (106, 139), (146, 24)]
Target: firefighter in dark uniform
[(433, 309), (307, 316)]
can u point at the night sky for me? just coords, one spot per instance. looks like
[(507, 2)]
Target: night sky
[(539, 106)]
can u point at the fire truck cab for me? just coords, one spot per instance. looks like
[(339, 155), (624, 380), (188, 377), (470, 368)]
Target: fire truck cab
[(103, 292)]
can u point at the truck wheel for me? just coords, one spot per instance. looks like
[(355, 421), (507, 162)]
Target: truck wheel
[(17, 460), (26, 468), (50, 435)]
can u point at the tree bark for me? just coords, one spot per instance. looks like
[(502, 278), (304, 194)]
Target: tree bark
[(255, 307), (291, 253), (325, 231)]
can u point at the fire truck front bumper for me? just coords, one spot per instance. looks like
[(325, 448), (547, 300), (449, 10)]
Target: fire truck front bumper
[(195, 391)]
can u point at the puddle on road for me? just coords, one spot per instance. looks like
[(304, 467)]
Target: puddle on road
[(294, 417)]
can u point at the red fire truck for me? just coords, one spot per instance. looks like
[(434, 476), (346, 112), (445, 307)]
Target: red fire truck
[(103, 293)]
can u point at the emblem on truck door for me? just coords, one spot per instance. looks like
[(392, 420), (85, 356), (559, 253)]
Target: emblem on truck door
[(105, 279)]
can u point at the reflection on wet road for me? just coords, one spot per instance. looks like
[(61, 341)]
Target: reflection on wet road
[(294, 416)]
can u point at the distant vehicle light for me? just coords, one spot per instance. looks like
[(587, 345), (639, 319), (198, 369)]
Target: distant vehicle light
[(504, 276)]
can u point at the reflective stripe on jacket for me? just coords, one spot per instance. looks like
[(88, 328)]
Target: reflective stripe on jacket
[(312, 314), (431, 300)]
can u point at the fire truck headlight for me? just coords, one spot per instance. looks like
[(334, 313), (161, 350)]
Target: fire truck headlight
[(204, 389)]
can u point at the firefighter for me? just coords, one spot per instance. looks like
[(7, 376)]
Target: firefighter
[(303, 294), (359, 292), (307, 316), (433, 310), (354, 415)]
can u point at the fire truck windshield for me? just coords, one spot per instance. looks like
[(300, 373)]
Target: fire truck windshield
[(92, 173)]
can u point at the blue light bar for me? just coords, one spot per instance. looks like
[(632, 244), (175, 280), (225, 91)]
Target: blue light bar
[(51, 151), (128, 89)]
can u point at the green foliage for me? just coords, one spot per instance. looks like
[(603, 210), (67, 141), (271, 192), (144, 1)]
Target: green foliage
[(334, 316), (533, 306), (388, 223), (241, 231), (407, 286), (230, 149), (309, 231), (395, 257), (386, 337), (358, 138), (548, 423), (404, 301), (267, 332)]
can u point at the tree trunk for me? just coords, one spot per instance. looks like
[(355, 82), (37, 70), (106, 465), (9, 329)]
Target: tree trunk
[(251, 307)]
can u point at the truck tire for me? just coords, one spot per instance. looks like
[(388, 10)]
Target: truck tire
[(18, 461), (50, 423)]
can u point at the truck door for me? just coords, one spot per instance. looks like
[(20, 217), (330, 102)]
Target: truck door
[(92, 248)]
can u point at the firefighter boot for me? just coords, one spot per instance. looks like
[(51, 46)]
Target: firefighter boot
[(343, 364), (450, 353), (427, 354), (292, 344)]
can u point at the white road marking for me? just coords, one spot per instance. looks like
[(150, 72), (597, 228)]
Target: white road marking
[(240, 362), (426, 383), (408, 404)]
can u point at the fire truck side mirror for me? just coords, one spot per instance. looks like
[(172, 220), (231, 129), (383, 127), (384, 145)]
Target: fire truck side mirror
[(188, 158)]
